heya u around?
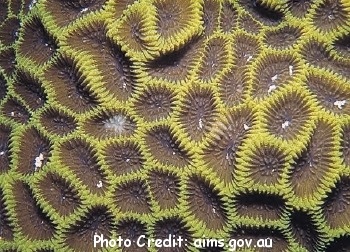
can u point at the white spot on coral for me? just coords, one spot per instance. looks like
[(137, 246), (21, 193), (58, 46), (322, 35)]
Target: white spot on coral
[(271, 88), (249, 57), (340, 104), (246, 127), (200, 123), (12, 113), (2, 153), (274, 78), (32, 4), (84, 10), (228, 157), (39, 161), (99, 184), (214, 211), (285, 124), (115, 123), (290, 70), (127, 160), (331, 17)]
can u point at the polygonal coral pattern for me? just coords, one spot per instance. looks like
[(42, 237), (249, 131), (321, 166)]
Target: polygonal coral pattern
[(216, 118)]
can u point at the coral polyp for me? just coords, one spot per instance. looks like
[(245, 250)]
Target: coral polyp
[(205, 203), (133, 197), (204, 120), (330, 15)]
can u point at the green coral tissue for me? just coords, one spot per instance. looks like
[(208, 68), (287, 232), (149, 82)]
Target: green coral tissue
[(128, 125)]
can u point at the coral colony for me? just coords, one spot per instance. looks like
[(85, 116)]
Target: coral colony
[(175, 125)]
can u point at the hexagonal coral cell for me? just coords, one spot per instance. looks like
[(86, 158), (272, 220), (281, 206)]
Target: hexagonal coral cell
[(220, 150), (177, 22), (133, 196), (57, 121), (283, 37), (165, 188), (59, 192), (228, 17), (64, 12), (32, 220), (132, 229), (155, 103), (206, 203), (299, 8), (197, 112), (214, 59), (232, 86), (81, 159), (14, 109), (272, 72), (34, 151), (331, 93), (330, 15), (176, 18), (245, 48), (124, 157), (9, 31), (80, 235), (36, 42), (115, 67), (30, 89), (166, 147), (175, 66), (314, 164), (259, 205), (211, 12), (109, 123), (175, 227), (305, 230), (336, 207), (287, 115), (265, 163), (71, 85), (136, 32), (318, 54)]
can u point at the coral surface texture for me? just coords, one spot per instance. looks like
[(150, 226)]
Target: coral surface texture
[(225, 123)]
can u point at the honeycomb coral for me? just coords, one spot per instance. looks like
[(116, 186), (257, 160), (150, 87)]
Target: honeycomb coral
[(209, 120)]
